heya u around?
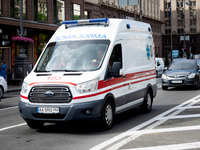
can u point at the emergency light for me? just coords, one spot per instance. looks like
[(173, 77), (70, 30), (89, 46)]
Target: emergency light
[(86, 21)]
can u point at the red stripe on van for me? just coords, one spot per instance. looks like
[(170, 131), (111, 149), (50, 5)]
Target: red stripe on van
[(23, 97), (132, 76), (96, 94)]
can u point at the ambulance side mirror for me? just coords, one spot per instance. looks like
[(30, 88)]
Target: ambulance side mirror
[(116, 69)]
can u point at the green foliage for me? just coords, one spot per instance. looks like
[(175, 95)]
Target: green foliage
[(77, 17), (42, 16)]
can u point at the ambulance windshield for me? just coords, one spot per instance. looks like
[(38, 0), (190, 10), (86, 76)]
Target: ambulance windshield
[(73, 56)]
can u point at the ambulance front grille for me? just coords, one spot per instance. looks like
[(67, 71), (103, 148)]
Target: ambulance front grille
[(50, 94)]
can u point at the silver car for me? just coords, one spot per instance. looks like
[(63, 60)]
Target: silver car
[(181, 73)]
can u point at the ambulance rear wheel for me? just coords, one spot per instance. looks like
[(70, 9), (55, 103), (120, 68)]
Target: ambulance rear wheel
[(35, 124), (107, 116), (147, 103)]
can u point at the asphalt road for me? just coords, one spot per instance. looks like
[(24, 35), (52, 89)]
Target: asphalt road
[(174, 123)]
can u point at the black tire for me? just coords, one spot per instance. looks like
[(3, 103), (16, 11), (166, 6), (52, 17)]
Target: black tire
[(164, 87), (1, 92), (146, 107), (107, 115), (35, 124)]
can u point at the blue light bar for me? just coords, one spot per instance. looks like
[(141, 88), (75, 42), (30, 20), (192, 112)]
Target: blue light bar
[(86, 21)]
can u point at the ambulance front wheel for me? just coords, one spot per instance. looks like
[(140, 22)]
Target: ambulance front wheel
[(107, 116), (35, 124), (147, 103)]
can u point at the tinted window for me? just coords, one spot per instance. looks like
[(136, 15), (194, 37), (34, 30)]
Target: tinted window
[(183, 65)]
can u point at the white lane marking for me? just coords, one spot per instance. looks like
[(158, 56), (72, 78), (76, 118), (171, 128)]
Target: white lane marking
[(14, 126), (150, 124), (177, 129), (8, 108), (170, 147)]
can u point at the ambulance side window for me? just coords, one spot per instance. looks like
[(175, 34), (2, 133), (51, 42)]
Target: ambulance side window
[(116, 56)]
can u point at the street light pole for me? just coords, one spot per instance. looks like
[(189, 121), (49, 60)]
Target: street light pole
[(184, 27), (184, 45), (21, 32)]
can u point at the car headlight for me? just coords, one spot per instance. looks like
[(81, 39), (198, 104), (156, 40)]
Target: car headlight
[(88, 86), (192, 75), (24, 87), (164, 76)]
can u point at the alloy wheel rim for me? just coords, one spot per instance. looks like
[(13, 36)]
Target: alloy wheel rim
[(108, 114)]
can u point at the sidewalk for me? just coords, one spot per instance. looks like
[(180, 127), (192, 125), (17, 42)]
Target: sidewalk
[(13, 88)]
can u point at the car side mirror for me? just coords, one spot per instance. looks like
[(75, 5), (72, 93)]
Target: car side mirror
[(116, 69), (165, 69)]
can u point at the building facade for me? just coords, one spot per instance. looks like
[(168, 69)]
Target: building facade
[(42, 17), (182, 19)]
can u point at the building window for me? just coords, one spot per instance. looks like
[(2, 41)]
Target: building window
[(86, 14), (180, 22), (193, 3), (193, 22), (180, 4), (178, 40), (168, 23), (167, 31), (167, 5), (192, 39), (180, 31), (15, 8), (59, 11), (167, 41), (75, 11), (192, 30), (166, 14), (180, 13), (40, 10), (193, 13)]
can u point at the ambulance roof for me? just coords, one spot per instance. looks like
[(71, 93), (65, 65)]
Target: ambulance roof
[(96, 29)]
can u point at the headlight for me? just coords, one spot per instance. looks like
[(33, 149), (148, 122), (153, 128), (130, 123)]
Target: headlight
[(88, 86), (164, 76), (192, 75), (24, 87)]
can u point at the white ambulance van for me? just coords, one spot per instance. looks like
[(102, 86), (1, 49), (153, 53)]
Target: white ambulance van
[(91, 69)]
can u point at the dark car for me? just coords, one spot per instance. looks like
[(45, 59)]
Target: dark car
[(181, 73)]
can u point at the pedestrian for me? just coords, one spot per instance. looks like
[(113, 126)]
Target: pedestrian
[(3, 70)]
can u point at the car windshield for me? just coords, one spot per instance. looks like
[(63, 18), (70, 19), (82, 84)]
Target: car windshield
[(183, 65), (71, 56)]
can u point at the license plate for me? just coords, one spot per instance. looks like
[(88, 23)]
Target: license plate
[(180, 81), (48, 110)]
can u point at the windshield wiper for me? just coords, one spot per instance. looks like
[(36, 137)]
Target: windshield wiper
[(60, 70)]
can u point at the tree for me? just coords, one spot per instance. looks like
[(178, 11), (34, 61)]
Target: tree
[(166, 59)]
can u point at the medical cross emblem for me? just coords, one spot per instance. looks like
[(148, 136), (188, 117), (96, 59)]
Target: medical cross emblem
[(148, 52)]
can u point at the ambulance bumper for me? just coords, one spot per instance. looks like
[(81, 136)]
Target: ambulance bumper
[(81, 111)]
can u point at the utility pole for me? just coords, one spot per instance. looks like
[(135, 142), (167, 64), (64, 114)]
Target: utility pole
[(171, 23), (140, 10)]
